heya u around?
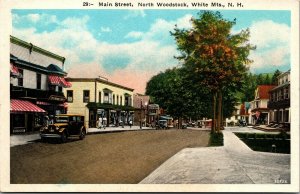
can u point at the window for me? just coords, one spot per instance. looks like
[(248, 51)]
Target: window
[(38, 81), (105, 100), (107, 96), (286, 93), (121, 100), (20, 78), (86, 96), (99, 97), (69, 95), (113, 99), (117, 99), (127, 100), (286, 116)]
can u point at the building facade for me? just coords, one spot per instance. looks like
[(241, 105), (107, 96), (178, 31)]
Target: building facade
[(140, 104), (98, 98), (259, 106), (279, 101), (36, 84)]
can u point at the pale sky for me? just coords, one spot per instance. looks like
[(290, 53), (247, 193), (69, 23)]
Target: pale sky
[(130, 46)]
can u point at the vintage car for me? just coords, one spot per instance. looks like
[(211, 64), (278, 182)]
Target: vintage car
[(63, 127)]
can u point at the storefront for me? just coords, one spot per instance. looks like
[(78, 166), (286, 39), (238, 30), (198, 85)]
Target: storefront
[(25, 116), (113, 115)]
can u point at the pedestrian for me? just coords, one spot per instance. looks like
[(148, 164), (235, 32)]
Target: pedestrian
[(51, 121), (99, 122), (46, 121), (130, 123), (104, 122)]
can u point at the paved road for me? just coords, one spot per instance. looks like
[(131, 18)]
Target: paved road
[(235, 163)]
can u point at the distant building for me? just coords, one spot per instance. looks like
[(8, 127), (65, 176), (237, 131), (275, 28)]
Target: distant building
[(259, 106), (95, 98), (279, 101), (36, 84), (140, 104), (241, 113)]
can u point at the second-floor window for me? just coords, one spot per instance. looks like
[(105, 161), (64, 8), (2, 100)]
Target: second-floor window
[(117, 99), (38, 81), (86, 96), (69, 95), (121, 100), (20, 79), (256, 104), (286, 93), (106, 97), (113, 99)]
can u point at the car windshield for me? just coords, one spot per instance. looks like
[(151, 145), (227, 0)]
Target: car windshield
[(61, 119)]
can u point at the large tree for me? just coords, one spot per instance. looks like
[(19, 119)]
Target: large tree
[(217, 58)]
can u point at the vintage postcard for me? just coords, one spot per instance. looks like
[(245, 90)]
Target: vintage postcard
[(149, 96)]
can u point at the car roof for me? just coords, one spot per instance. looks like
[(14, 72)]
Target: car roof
[(67, 115)]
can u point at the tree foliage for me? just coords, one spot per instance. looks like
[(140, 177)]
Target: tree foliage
[(216, 58)]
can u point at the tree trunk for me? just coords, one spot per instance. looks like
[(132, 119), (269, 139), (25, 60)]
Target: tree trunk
[(213, 125), (219, 111)]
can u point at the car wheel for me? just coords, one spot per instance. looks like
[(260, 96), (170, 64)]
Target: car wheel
[(82, 134), (63, 137)]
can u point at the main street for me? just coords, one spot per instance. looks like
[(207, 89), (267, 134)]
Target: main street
[(148, 156), (119, 157)]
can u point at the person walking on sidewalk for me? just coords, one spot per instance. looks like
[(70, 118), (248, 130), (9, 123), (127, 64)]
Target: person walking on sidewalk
[(130, 123)]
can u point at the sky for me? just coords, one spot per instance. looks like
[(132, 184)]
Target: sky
[(130, 46)]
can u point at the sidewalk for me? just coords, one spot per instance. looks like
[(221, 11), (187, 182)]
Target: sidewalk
[(115, 129), (232, 163), (22, 139)]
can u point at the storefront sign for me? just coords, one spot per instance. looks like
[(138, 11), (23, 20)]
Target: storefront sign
[(56, 98)]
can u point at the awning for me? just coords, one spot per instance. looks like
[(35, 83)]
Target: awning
[(14, 71), (24, 106), (59, 81)]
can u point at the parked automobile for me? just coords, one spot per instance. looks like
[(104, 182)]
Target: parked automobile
[(184, 126), (162, 124), (64, 126)]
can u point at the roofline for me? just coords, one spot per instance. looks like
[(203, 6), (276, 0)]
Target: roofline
[(36, 48), (98, 80)]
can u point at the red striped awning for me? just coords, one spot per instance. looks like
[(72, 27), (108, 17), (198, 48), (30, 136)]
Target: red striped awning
[(65, 83), (54, 80), (24, 106), (59, 81), (14, 70)]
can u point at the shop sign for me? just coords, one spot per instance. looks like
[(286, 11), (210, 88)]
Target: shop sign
[(56, 98)]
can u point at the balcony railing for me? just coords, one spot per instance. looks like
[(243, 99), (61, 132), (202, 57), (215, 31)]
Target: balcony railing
[(285, 103), (19, 92)]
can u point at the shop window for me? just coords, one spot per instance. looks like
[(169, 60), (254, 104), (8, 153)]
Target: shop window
[(69, 95), (286, 116), (38, 81), (20, 78), (86, 96)]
